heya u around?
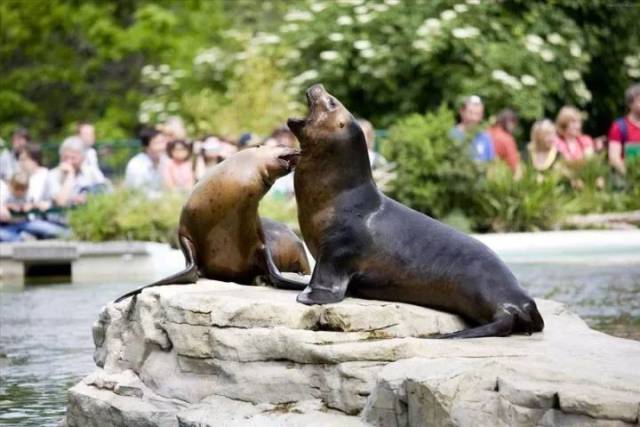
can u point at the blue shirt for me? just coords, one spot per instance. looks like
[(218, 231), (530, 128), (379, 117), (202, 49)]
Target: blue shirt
[(481, 148)]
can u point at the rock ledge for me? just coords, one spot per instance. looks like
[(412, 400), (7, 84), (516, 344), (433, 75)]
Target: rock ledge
[(217, 353)]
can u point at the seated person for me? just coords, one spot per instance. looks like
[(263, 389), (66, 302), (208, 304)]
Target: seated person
[(177, 172), (30, 161), (471, 114), (72, 180), (624, 134), (375, 159), (504, 144), (542, 149), (144, 169), (87, 133), (574, 146), (9, 157), (21, 218), (212, 151)]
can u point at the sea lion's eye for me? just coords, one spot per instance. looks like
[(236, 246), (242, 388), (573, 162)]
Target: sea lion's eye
[(332, 103), (341, 124)]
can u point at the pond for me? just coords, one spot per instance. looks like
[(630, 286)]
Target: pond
[(46, 344)]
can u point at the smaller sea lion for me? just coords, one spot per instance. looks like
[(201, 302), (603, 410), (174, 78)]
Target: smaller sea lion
[(220, 233)]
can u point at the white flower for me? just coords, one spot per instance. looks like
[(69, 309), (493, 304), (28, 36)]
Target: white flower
[(336, 37), (363, 19), (575, 49), (429, 26), (292, 54), (528, 80), (629, 60), (362, 44), (361, 10), (634, 73), (392, 2), (555, 38), (318, 7), (547, 55), (499, 75), (368, 53), (266, 38), (473, 2), (298, 15), (448, 15), (534, 42), (167, 80), (461, 8), (571, 75), (289, 28), (581, 90), (305, 77), (164, 68), (421, 45), (329, 55), (380, 7), (465, 32), (148, 69), (344, 20), (143, 117)]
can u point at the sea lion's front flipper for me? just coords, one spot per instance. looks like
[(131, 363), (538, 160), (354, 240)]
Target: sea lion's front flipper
[(276, 277), (328, 285), (187, 276)]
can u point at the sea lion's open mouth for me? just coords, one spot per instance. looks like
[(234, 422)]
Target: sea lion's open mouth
[(290, 160), (315, 97)]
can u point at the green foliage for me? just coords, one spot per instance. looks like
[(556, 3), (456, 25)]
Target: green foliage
[(255, 100), (435, 175), (64, 61), (126, 215), (280, 209), (534, 202)]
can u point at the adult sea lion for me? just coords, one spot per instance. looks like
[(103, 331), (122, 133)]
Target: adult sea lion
[(377, 248), (220, 233)]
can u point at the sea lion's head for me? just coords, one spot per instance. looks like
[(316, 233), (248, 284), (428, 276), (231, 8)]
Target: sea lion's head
[(328, 121), (273, 162)]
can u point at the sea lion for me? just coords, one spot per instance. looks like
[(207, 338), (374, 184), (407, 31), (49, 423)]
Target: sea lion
[(220, 233), (377, 248)]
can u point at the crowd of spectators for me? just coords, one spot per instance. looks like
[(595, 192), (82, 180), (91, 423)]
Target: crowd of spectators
[(561, 145), (34, 199)]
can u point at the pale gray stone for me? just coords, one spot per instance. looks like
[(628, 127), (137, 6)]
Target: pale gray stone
[(222, 354)]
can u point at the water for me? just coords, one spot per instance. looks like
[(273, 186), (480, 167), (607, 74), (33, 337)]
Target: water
[(46, 344)]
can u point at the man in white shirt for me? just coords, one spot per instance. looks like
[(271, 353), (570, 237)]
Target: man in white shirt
[(144, 169), (87, 133), (69, 183)]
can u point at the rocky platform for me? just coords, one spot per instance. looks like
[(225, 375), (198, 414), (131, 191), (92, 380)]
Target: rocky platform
[(220, 354)]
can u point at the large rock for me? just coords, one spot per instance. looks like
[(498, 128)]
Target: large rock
[(222, 354)]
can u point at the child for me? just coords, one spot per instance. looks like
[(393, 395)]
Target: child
[(177, 173), (17, 218)]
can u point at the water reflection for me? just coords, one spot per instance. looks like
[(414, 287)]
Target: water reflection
[(45, 348)]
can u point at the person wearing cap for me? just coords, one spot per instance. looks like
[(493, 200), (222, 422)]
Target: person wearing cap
[(471, 115), (9, 157), (69, 183), (144, 170)]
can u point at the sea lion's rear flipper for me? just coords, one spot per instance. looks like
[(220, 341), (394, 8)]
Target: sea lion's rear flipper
[(328, 285), (276, 277), (500, 327), (187, 276)]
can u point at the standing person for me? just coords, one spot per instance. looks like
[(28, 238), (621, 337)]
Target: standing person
[(30, 161), (471, 114), (72, 180), (144, 169), (504, 144), (624, 134), (87, 133), (9, 157), (177, 171)]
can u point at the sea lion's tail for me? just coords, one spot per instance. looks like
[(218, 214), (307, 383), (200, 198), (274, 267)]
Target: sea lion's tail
[(187, 276)]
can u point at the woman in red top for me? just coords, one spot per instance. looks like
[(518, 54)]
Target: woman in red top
[(625, 131), (572, 144)]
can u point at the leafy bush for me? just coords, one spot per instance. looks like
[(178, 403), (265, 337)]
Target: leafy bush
[(534, 202), (127, 215), (435, 175)]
